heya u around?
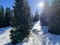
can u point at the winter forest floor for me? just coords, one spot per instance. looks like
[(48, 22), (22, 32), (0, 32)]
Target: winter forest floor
[(4, 35), (39, 36)]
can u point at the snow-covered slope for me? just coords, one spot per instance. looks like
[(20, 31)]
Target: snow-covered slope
[(44, 36), (4, 35), (39, 36)]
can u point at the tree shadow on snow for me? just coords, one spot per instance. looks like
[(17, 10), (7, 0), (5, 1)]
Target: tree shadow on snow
[(44, 29), (8, 44), (2, 30), (50, 39)]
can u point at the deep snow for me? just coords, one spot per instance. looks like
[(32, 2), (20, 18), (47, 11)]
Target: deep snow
[(38, 36)]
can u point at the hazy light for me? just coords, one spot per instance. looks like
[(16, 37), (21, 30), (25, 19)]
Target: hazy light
[(40, 5)]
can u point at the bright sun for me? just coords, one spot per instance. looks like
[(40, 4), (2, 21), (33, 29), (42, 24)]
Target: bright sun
[(40, 5)]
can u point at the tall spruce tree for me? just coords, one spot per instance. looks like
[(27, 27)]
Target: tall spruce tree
[(7, 17), (23, 21), (54, 26), (2, 21), (36, 17)]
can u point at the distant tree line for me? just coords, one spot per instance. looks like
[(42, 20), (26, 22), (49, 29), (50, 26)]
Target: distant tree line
[(4, 16), (8, 17)]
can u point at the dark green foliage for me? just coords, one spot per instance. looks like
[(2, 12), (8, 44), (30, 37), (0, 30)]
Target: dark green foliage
[(7, 17), (36, 17), (23, 21), (4, 17), (2, 21), (54, 25), (18, 35), (43, 20), (54, 30), (13, 19)]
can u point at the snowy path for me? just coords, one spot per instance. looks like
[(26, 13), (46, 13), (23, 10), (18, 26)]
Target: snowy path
[(44, 38), (4, 35), (37, 34)]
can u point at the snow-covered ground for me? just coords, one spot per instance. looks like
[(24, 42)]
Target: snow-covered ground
[(4, 35), (38, 36), (44, 36)]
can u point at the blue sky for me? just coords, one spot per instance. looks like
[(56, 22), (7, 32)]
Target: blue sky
[(33, 4), (7, 3)]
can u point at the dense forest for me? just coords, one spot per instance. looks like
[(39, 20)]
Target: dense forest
[(21, 19)]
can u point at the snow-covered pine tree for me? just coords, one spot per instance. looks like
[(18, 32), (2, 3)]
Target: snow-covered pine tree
[(23, 21), (54, 25)]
